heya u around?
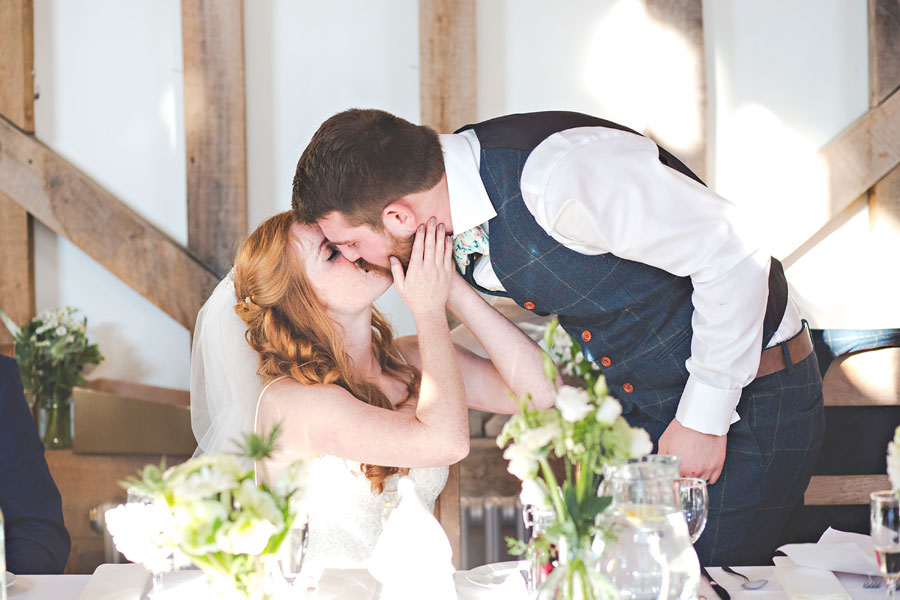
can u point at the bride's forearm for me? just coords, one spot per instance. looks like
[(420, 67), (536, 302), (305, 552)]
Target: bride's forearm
[(441, 403), (516, 358)]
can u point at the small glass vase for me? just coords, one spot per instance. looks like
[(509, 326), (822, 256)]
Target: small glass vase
[(53, 416), (575, 576)]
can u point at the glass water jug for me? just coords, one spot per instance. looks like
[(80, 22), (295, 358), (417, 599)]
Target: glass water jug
[(647, 552)]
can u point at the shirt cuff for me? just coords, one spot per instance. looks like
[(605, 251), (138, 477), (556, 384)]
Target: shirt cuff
[(707, 409)]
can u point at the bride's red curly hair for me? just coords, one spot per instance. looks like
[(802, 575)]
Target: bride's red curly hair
[(288, 328)]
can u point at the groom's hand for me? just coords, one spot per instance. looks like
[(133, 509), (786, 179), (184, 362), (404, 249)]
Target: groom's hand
[(702, 455)]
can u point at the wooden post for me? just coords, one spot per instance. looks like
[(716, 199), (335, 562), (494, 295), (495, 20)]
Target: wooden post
[(447, 69), (214, 122), (685, 17), (884, 79), (16, 105), (448, 86)]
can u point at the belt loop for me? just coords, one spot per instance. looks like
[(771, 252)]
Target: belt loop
[(789, 364)]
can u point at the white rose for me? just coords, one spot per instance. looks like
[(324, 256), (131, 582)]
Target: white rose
[(535, 439), (522, 461), (248, 535), (142, 532), (639, 444), (534, 492), (573, 403), (609, 411)]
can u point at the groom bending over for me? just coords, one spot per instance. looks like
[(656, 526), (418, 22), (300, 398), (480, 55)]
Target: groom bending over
[(572, 215)]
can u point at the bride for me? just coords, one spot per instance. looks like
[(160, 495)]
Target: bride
[(357, 405)]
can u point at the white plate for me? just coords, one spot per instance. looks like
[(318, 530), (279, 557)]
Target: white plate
[(10, 579), (495, 574)]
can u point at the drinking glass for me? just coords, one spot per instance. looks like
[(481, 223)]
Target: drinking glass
[(694, 504), (884, 515), (538, 519), (292, 551)]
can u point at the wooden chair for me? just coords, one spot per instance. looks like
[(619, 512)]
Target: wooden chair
[(447, 511), (864, 379)]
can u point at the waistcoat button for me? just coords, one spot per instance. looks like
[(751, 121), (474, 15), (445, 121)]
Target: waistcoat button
[(605, 361), (585, 336), (628, 388), (529, 305)]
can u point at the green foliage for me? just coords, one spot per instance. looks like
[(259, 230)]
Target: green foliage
[(52, 351)]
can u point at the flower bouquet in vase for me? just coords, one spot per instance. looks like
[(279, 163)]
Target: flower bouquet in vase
[(211, 512), (52, 351), (583, 431)]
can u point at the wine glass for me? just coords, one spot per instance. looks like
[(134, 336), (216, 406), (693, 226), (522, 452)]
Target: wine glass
[(884, 516), (694, 504), (538, 519)]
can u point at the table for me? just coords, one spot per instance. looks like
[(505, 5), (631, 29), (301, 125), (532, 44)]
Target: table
[(70, 587)]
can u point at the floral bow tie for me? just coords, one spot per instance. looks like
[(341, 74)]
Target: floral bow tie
[(471, 241)]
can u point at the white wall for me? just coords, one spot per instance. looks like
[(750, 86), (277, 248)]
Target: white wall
[(110, 80)]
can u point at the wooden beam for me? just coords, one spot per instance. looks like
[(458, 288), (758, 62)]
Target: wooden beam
[(685, 19), (214, 122), (16, 266), (884, 49), (17, 63), (79, 209), (884, 79), (836, 490), (17, 104), (448, 66), (864, 153)]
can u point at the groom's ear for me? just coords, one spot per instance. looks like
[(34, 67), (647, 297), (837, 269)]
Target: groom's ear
[(399, 219)]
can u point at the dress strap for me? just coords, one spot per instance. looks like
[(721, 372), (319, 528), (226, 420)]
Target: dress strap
[(259, 399)]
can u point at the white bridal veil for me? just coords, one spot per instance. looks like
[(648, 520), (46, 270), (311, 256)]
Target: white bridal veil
[(224, 383)]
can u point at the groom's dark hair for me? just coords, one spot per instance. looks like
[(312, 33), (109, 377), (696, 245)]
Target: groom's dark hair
[(361, 160)]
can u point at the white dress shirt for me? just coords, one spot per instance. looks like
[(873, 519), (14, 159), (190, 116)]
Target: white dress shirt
[(597, 190)]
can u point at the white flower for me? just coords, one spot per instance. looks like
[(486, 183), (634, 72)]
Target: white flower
[(522, 461), (204, 483), (639, 443), (195, 523), (60, 331), (258, 503), (290, 479), (535, 439), (534, 492), (247, 535), (143, 533), (573, 403), (893, 461), (609, 411)]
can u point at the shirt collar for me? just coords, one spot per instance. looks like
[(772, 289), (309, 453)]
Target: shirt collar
[(469, 202)]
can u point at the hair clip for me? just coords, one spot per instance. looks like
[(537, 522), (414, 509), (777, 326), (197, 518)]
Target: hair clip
[(247, 300)]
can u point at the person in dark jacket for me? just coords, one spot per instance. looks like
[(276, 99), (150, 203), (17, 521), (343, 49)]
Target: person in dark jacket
[(36, 537)]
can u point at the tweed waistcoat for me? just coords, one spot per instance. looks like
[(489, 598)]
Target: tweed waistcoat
[(632, 319)]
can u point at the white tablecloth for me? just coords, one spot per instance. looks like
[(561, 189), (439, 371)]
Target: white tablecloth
[(125, 582)]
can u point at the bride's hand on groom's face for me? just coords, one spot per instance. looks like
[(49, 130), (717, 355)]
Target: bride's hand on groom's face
[(425, 285)]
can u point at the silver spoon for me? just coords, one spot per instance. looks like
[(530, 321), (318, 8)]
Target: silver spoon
[(749, 584)]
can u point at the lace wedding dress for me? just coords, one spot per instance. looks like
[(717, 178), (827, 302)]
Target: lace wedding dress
[(346, 517)]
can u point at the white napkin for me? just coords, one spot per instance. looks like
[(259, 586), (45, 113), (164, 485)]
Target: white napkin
[(805, 583), (508, 588), (413, 553), (836, 551)]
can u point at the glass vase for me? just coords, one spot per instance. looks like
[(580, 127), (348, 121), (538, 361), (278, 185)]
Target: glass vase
[(53, 416), (575, 576)]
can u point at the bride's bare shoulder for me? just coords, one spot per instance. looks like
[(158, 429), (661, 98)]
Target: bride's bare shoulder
[(409, 347), (286, 394)]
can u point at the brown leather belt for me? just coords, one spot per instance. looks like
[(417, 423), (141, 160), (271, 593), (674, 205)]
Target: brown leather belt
[(772, 359)]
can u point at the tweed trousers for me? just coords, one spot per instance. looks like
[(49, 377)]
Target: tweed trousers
[(771, 452)]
